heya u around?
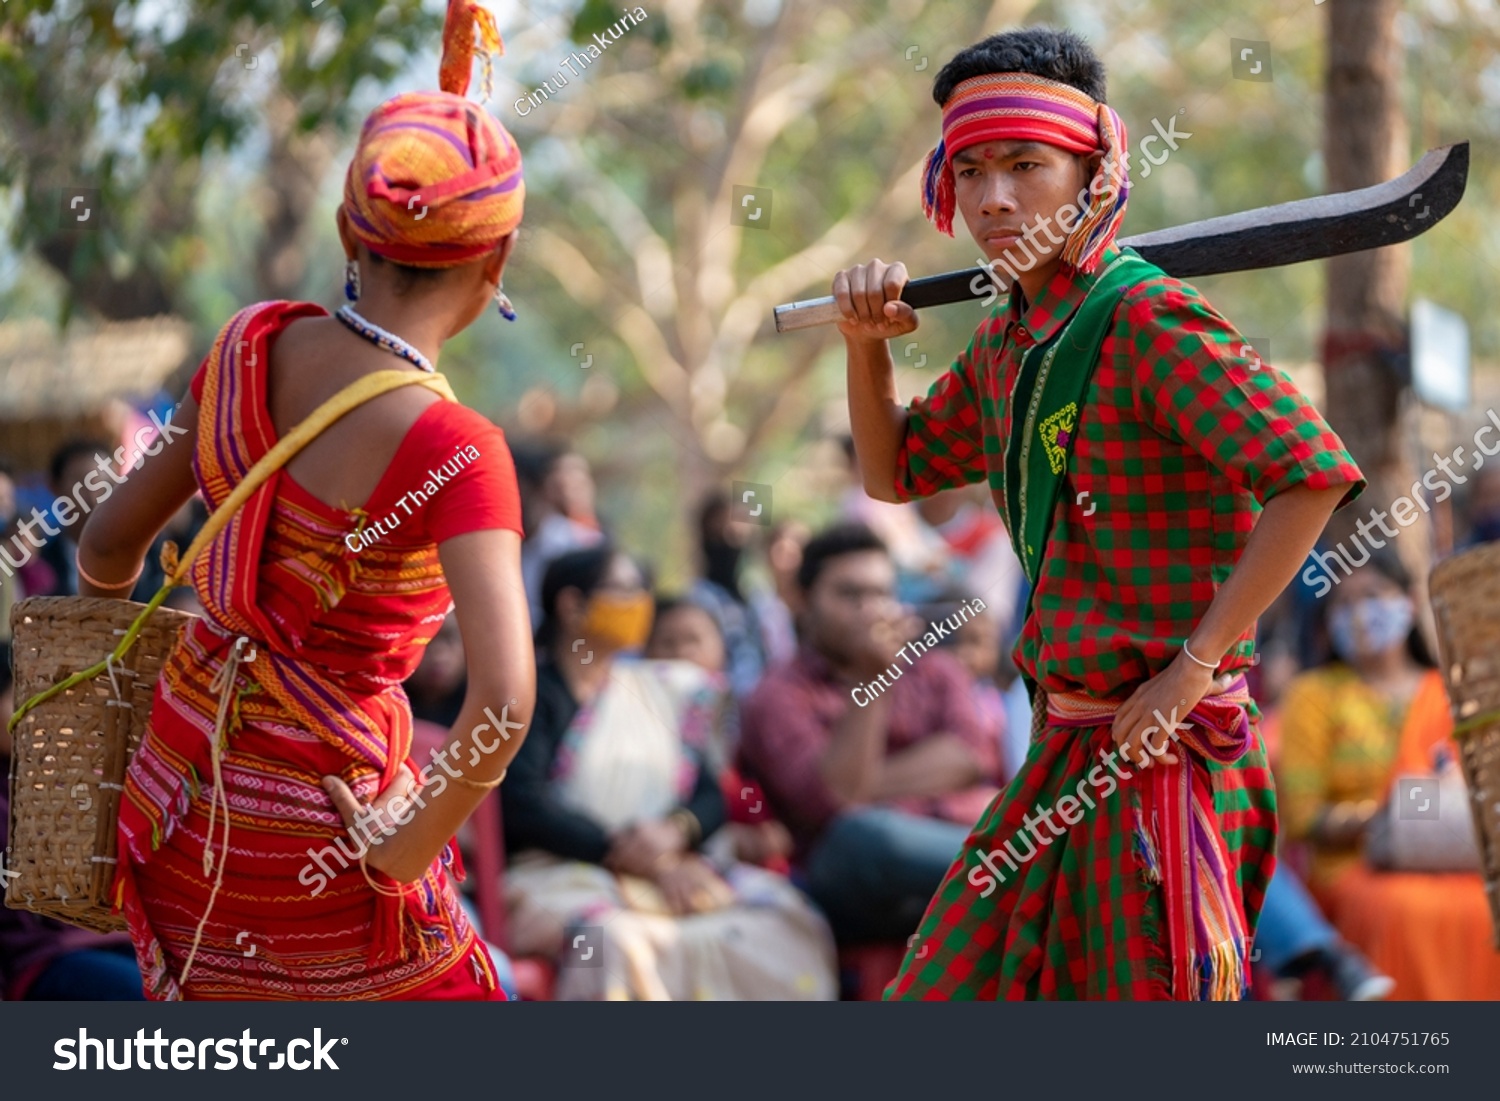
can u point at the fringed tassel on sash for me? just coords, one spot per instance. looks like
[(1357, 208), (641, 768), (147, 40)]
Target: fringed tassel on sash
[(409, 920), (1145, 848), (1178, 841)]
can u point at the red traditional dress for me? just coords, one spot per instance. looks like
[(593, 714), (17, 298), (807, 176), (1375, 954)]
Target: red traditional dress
[(334, 632)]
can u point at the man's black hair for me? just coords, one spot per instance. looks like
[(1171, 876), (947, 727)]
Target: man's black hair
[(71, 450), (1042, 51), (835, 542)]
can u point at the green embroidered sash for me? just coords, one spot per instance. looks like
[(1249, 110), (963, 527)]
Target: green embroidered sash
[(1045, 406)]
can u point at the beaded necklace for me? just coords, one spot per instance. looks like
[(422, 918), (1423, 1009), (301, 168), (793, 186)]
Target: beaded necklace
[(382, 339)]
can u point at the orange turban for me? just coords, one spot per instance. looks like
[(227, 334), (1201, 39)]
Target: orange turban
[(436, 180)]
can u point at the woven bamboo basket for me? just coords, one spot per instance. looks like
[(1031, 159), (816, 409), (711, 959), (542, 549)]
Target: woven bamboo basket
[(1465, 592), (70, 751)]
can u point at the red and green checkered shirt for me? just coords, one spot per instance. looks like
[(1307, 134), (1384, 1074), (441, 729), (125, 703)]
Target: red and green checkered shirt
[(1180, 442)]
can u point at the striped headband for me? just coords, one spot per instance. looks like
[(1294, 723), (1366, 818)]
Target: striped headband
[(1021, 106), (436, 180)]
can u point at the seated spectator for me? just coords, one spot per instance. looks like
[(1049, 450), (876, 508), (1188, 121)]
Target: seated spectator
[(684, 631), (1349, 729), (1294, 940), (721, 550), (878, 763), (976, 645), (981, 560), (75, 472), (42, 960), (436, 687), (557, 510), (607, 807), (772, 604)]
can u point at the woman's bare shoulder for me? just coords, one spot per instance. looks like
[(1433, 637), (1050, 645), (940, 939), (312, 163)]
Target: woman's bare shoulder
[(315, 358)]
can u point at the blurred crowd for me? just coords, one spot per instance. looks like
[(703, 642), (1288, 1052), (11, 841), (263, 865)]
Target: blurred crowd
[(751, 787)]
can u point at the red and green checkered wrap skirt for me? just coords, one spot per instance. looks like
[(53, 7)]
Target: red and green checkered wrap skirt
[(1078, 917)]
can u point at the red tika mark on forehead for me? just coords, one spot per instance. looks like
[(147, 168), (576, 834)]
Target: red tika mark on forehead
[(989, 154)]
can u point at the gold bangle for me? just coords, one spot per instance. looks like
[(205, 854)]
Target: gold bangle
[(78, 565), (480, 785), (376, 886)]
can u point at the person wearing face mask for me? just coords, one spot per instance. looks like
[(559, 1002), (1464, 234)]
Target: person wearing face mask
[(721, 548), (608, 805), (1342, 722), (1375, 711)]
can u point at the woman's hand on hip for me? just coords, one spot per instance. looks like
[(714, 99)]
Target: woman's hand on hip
[(378, 826)]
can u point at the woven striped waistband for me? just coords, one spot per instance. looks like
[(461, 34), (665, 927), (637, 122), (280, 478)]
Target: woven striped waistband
[(1218, 727)]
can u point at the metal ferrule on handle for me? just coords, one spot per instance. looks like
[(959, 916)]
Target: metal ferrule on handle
[(930, 290)]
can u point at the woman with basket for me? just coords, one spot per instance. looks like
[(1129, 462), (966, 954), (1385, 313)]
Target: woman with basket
[(279, 718)]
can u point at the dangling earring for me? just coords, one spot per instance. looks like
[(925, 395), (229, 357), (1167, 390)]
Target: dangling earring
[(502, 299), (351, 280)]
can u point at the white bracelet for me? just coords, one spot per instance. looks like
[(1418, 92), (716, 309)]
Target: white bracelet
[(1200, 661)]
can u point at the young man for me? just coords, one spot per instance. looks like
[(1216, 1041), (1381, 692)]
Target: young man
[(1129, 449), (869, 746)]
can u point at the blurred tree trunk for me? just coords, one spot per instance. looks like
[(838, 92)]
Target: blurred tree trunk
[(1366, 142), (296, 162)]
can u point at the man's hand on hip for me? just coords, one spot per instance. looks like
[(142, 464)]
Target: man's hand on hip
[(1146, 726)]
